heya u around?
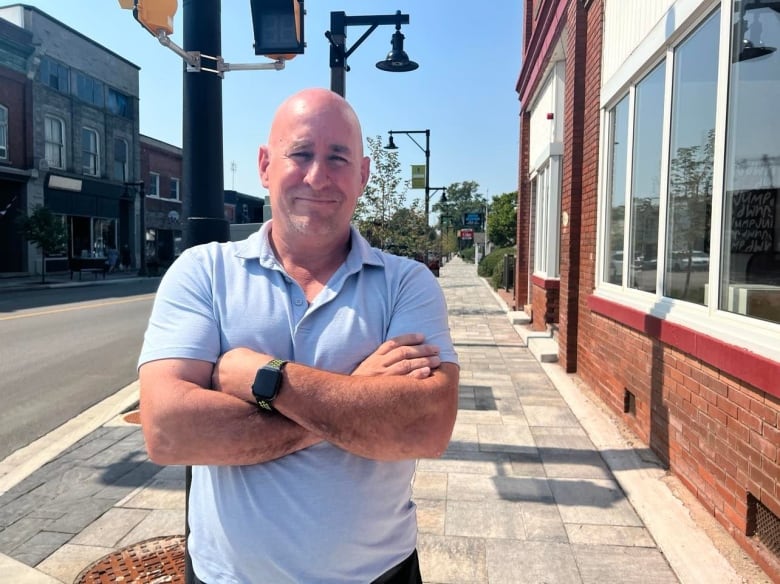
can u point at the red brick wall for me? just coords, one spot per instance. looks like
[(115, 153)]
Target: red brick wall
[(522, 267), (545, 303), (167, 164), (590, 152), (14, 97), (571, 190), (719, 435)]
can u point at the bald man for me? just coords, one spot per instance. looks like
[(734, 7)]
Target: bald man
[(331, 368)]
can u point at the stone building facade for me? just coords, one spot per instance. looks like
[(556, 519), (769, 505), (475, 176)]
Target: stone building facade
[(83, 120)]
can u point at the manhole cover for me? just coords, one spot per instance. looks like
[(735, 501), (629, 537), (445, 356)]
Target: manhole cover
[(153, 561)]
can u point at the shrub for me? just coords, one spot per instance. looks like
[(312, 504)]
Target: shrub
[(492, 265)]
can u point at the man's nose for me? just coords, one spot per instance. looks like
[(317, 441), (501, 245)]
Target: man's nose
[(317, 175)]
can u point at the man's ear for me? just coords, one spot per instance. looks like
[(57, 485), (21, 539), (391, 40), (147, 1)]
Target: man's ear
[(263, 160), (365, 171)]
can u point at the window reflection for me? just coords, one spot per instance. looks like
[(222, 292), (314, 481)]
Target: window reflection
[(646, 180), (618, 143), (750, 281), (691, 164)]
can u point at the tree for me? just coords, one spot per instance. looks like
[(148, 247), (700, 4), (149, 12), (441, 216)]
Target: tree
[(384, 196), (46, 231), (690, 186), (502, 220), (409, 232)]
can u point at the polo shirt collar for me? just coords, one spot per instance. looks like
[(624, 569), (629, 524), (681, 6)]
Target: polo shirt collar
[(257, 246)]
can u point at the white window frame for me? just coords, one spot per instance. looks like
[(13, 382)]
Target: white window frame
[(547, 222), (153, 189), (175, 192), (3, 133), (90, 161), (51, 144), (756, 335)]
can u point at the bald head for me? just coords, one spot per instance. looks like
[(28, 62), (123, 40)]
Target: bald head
[(316, 106), (314, 168)]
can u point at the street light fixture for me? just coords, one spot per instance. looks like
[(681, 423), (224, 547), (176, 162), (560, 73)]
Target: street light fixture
[(391, 146), (397, 60)]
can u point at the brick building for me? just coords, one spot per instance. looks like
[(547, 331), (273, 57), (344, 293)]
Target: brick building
[(242, 208), (80, 128), (161, 167), (649, 231), (16, 158)]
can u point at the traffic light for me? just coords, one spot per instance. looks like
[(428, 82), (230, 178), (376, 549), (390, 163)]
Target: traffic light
[(154, 15), (278, 28)]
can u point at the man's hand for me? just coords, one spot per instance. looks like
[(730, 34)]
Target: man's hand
[(401, 355), (234, 372)]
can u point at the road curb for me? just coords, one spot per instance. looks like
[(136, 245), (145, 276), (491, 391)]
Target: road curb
[(22, 463)]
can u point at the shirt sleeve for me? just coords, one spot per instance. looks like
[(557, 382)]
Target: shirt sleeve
[(420, 306), (183, 323)]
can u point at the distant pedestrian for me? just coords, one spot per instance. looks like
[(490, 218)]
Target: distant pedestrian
[(112, 257)]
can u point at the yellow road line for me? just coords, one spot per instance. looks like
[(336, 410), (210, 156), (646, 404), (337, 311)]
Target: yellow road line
[(71, 308)]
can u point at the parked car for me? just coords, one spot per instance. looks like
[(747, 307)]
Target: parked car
[(616, 264), (698, 260), (429, 258)]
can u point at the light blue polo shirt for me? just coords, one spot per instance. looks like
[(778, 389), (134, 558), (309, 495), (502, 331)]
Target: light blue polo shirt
[(321, 514)]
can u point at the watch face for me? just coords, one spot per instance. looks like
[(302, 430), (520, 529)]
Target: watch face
[(267, 382)]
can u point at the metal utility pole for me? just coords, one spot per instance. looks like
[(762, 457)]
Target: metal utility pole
[(202, 128)]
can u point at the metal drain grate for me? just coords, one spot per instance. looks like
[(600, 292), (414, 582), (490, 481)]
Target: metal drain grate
[(153, 561), (768, 528)]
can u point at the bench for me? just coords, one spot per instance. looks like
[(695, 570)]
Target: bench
[(93, 265)]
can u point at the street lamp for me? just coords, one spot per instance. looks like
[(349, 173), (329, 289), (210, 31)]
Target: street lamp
[(397, 60), (391, 146)]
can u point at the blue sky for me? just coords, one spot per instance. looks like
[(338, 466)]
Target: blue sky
[(464, 90)]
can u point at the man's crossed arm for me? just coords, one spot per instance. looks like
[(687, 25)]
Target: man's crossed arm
[(399, 403)]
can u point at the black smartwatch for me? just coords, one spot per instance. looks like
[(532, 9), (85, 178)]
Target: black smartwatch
[(268, 380)]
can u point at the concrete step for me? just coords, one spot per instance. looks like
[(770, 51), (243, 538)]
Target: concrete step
[(541, 344)]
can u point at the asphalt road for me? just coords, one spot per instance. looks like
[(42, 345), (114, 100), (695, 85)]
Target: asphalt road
[(63, 350)]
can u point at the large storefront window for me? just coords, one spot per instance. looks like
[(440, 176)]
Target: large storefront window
[(92, 236), (750, 280), (691, 164), (616, 198), (646, 180)]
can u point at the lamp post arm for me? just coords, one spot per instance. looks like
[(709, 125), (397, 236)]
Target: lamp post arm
[(358, 42)]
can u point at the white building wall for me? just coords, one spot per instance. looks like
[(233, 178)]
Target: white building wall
[(635, 34), (545, 132)]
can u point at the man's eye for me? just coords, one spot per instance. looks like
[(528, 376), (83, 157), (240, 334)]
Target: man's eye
[(301, 155), (339, 159)]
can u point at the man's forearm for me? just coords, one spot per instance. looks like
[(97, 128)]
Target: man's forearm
[(186, 424), (383, 418)]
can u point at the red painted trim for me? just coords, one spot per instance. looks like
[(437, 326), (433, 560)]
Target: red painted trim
[(546, 33), (545, 283), (758, 371)]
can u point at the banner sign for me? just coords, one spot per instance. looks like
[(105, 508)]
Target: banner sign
[(418, 176)]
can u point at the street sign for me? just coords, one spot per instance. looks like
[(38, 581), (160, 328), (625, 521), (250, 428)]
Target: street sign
[(466, 234), (474, 219), (418, 176)]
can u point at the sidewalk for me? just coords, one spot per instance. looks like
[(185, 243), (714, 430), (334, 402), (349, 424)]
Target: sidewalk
[(538, 484), (24, 281)]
